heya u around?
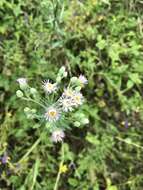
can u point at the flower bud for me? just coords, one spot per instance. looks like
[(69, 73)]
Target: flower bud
[(65, 74), (77, 124), (62, 70), (74, 79), (82, 80), (26, 109), (30, 116), (19, 93), (33, 91), (78, 88), (85, 121), (58, 79), (33, 110), (22, 83)]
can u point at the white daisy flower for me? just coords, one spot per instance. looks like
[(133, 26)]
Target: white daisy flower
[(49, 87), (58, 135), (77, 99), (52, 114), (68, 93), (83, 80), (22, 82), (67, 104)]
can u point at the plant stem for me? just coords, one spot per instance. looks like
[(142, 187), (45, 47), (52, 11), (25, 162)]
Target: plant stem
[(130, 143), (31, 100), (30, 150), (59, 172)]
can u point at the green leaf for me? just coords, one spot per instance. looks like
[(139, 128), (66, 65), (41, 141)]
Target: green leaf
[(135, 78), (112, 187), (130, 84), (73, 182), (92, 139), (101, 44)]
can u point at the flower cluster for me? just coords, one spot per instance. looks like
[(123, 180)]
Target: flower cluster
[(70, 99), (54, 110)]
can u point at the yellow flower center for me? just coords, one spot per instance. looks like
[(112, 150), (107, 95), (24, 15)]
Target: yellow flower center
[(77, 98), (52, 113), (69, 93), (50, 86)]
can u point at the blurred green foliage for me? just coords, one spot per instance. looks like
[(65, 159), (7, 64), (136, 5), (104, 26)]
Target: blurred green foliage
[(101, 39)]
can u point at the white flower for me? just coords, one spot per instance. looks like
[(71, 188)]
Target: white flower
[(77, 99), (49, 87), (67, 104), (58, 135), (83, 80), (68, 93), (52, 114), (22, 82), (71, 99)]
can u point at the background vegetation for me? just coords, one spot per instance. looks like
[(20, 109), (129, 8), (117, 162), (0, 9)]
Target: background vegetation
[(101, 39)]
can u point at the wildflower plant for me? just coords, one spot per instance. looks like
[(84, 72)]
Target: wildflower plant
[(58, 110), (59, 102)]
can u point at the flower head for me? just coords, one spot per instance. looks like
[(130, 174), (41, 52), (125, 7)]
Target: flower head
[(63, 168), (68, 93), (70, 99), (57, 136), (49, 87), (22, 82), (77, 99), (83, 80), (67, 104), (52, 114)]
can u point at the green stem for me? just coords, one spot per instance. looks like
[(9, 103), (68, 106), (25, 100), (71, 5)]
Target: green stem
[(30, 150), (130, 143), (59, 172), (31, 100)]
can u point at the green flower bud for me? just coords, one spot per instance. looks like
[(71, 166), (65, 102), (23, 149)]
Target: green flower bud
[(30, 116), (62, 70), (33, 91), (77, 124), (33, 110), (19, 93), (58, 79), (74, 79), (78, 88), (65, 74), (26, 109), (85, 121)]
